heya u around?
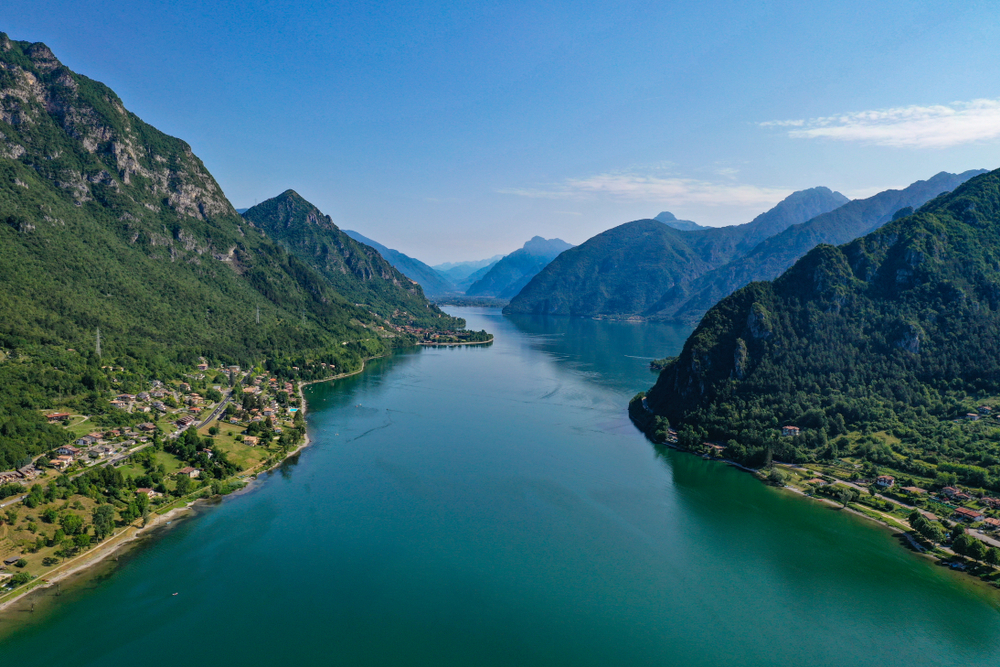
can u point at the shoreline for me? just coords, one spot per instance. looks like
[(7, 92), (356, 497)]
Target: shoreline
[(130, 534), (471, 342), (121, 540), (907, 533)]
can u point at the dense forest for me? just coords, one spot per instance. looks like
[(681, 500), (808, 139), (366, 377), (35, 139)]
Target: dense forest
[(878, 349)]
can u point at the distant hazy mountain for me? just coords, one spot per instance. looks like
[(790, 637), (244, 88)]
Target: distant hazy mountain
[(510, 274), (626, 270), (355, 269), (668, 218), (461, 270), (434, 283), (687, 303)]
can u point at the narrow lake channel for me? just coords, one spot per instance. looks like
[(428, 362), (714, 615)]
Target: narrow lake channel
[(494, 506)]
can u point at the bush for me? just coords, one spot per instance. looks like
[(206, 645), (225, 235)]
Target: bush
[(21, 563)]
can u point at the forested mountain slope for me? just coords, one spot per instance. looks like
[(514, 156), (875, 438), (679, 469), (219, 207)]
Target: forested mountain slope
[(688, 303), (432, 282), (895, 332), (508, 276), (357, 271), (106, 222), (626, 270)]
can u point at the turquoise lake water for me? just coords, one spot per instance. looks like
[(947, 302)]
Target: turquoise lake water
[(494, 506)]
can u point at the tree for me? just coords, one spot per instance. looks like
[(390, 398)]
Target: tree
[(183, 485), (20, 562), (104, 521), (82, 541), (957, 531), (977, 550), (993, 556), (962, 544), (71, 523), (846, 496)]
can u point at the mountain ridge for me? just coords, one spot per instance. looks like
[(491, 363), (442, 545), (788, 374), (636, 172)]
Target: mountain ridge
[(622, 272)]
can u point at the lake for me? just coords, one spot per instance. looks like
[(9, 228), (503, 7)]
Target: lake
[(493, 505)]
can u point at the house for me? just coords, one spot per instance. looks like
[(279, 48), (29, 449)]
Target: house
[(885, 481), (991, 523), (961, 496), (790, 430), (189, 472), (965, 514), (86, 441), (972, 416), (251, 440), (8, 477), (146, 427), (950, 491), (915, 490), (29, 471), (120, 405), (68, 450), (127, 398), (143, 396), (62, 462), (985, 409), (816, 481), (11, 560), (202, 367), (930, 516), (149, 493), (58, 416), (992, 502)]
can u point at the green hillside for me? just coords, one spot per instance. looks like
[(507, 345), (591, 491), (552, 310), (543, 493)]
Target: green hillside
[(106, 222), (357, 271), (877, 349), (626, 271)]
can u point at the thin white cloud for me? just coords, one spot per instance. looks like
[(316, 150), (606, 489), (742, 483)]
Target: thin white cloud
[(940, 126), (668, 190)]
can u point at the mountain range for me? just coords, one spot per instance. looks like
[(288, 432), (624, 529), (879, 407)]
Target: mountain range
[(625, 271), (688, 302)]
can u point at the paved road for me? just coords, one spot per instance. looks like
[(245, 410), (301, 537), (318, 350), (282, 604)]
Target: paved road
[(218, 409)]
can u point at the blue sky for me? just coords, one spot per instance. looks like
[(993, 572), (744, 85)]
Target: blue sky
[(457, 130)]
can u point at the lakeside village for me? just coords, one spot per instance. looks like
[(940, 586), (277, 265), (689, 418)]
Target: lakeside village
[(935, 516), (197, 436)]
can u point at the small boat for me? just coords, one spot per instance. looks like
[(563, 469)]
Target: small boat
[(175, 593)]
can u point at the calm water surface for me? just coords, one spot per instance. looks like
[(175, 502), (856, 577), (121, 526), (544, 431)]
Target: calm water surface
[(494, 506)]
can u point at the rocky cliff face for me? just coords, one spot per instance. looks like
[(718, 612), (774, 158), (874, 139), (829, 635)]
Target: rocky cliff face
[(125, 155)]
